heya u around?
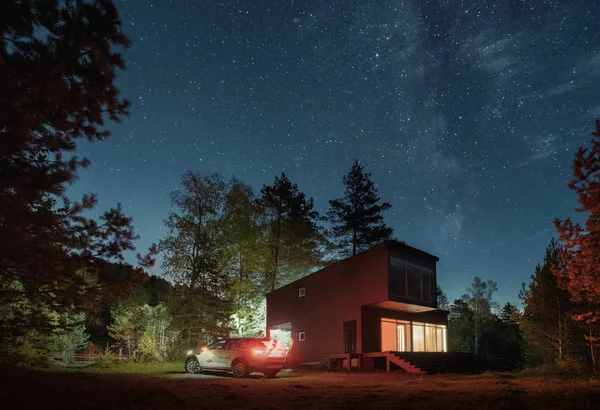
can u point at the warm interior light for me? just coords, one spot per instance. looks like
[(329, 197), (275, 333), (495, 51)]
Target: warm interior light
[(204, 349)]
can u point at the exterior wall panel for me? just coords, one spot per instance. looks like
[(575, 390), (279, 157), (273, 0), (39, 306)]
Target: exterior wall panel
[(333, 295)]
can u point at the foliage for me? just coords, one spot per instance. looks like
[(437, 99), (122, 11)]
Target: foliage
[(442, 299), (248, 255), (460, 327), (129, 320), (57, 73), (356, 218), (144, 331), (147, 349), (72, 340), (546, 321), (199, 258), (293, 236), (578, 269), (510, 346), (479, 298)]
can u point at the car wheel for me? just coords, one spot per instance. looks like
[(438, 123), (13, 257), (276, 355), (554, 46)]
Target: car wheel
[(240, 368), (192, 365), (270, 375)]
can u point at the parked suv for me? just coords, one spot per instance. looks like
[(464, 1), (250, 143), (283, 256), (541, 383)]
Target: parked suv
[(240, 356)]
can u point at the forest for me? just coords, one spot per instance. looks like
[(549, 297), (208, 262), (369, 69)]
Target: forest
[(67, 281)]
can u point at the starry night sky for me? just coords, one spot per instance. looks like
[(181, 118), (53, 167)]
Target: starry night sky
[(467, 114)]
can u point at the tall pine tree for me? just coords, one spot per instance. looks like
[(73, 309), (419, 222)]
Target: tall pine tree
[(579, 267), (58, 63), (356, 218), (546, 321), (294, 238)]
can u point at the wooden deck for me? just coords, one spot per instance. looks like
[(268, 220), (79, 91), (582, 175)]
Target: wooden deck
[(361, 361)]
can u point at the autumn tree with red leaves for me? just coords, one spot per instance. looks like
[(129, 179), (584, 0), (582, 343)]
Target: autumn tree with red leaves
[(578, 268)]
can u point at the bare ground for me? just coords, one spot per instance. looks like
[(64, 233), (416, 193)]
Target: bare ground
[(28, 389)]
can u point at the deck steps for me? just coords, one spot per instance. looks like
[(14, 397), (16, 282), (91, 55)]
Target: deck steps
[(433, 363)]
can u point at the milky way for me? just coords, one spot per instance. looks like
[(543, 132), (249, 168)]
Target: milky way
[(467, 114)]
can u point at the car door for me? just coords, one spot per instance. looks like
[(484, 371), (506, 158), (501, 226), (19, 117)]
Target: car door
[(228, 353), (209, 357)]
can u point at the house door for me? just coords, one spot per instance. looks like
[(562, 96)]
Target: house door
[(350, 336)]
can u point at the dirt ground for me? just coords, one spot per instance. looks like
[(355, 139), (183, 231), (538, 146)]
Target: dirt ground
[(27, 389)]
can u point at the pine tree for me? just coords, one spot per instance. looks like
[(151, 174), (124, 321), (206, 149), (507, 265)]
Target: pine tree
[(509, 340), (293, 235), (547, 308), (356, 218), (442, 299), (579, 263), (57, 75), (460, 327)]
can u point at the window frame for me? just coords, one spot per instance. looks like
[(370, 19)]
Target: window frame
[(425, 275), (217, 344), (301, 336)]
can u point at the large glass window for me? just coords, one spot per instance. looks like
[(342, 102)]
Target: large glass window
[(398, 277), (388, 335), (404, 336), (429, 337), (418, 337), (410, 281)]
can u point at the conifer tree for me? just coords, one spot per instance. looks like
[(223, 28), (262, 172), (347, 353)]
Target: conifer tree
[(356, 218), (57, 75), (442, 299), (293, 235), (546, 321), (578, 269)]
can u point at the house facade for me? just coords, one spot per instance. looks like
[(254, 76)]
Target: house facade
[(383, 299)]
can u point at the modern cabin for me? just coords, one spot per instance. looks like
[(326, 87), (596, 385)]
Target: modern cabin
[(381, 300)]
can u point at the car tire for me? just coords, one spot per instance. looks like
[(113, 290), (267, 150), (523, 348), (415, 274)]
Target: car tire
[(192, 365), (240, 369), (270, 375)]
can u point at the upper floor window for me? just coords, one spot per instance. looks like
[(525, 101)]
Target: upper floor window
[(410, 281), (302, 292)]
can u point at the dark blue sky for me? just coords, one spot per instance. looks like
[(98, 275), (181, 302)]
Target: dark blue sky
[(467, 114)]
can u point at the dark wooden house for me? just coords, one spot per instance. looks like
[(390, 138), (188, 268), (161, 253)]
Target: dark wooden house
[(381, 300)]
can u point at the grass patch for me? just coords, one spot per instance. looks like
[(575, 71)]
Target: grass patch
[(125, 367)]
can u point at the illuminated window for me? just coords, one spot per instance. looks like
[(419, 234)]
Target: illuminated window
[(302, 292), (429, 338), (418, 331), (388, 335), (301, 336), (426, 337)]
